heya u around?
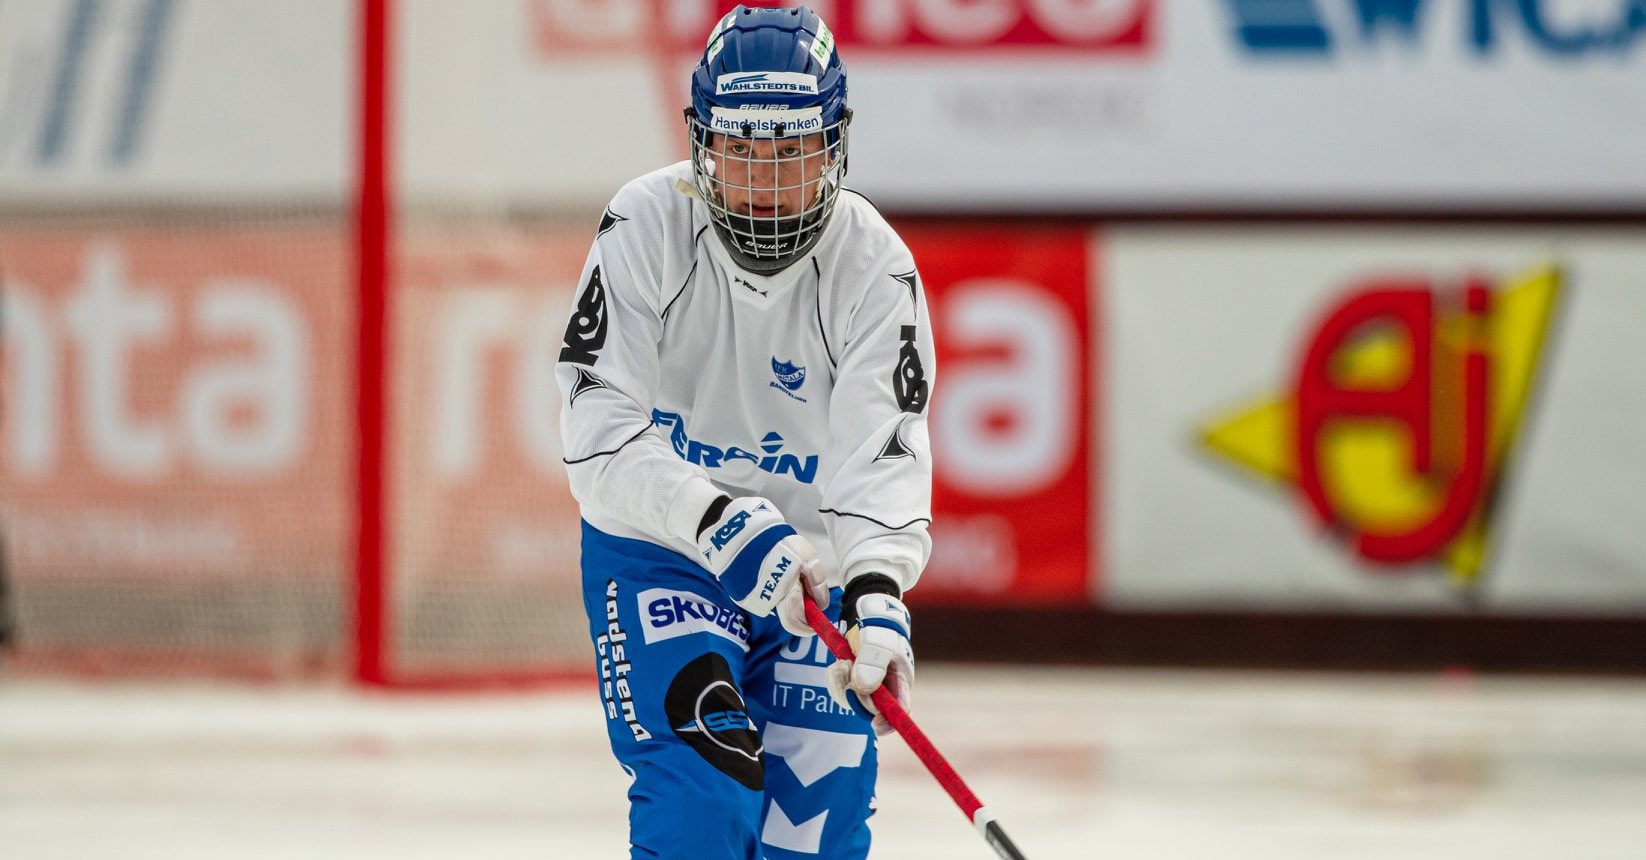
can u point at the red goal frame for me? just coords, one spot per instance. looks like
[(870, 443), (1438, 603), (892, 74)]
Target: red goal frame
[(373, 252)]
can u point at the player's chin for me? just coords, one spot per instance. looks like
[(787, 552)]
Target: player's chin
[(766, 225)]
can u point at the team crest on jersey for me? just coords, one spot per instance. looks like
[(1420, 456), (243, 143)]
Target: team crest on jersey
[(789, 378)]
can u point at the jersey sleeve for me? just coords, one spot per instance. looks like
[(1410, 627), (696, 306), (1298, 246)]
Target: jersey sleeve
[(620, 466), (877, 498)]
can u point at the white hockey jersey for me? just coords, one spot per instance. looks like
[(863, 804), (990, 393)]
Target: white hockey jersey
[(682, 377)]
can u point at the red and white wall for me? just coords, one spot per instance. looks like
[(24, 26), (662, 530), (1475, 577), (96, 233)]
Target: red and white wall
[(1161, 416), (1279, 417), (1123, 418)]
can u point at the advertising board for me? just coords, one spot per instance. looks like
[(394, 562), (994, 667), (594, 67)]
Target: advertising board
[(1374, 419)]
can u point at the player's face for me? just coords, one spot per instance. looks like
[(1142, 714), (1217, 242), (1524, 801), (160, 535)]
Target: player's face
[(764, 178)]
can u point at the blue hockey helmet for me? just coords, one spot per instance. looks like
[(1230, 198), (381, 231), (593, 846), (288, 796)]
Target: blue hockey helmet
[(768, 133)]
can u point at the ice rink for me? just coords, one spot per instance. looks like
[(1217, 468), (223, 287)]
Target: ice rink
[(1077, 764)]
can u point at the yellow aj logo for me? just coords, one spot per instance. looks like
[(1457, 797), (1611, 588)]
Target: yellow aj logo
[(1400, 414)]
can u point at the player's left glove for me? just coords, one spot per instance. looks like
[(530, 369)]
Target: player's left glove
[(877, 627)]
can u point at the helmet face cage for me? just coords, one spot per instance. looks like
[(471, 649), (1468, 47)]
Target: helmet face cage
[(770, 194), (767, 132)]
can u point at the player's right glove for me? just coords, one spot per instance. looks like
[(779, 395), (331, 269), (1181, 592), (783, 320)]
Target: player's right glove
[(877, 628), (761, 561)]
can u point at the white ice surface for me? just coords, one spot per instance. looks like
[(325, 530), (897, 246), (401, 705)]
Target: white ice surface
[(1075, 764)]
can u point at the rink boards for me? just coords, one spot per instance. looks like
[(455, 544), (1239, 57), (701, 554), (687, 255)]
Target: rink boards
[(1260, 417)]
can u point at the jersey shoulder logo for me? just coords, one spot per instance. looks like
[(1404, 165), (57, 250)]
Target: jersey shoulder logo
[(586, 333), (586, 382), (911, 281), (909, 380), (894, 449), (607, 222)]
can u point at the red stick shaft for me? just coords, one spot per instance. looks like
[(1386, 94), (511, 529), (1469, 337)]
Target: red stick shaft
[(899, 718), (934, 761)]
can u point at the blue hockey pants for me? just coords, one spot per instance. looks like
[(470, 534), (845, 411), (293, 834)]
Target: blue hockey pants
[(723, 721)]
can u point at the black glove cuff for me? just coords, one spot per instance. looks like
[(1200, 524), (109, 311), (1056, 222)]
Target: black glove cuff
[(868, 583), (712, 515)]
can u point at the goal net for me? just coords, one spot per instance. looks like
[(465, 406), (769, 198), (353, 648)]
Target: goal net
[(259, 419)]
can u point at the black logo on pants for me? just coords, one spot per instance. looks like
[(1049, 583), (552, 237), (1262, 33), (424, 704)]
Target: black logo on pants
[(586, 333), (707, 712)]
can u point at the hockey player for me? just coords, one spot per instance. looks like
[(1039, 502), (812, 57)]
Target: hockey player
[(744, 382)]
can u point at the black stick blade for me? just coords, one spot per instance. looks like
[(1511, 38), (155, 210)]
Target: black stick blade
[(1001, 843)]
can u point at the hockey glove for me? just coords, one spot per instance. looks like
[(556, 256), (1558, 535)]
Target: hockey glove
[(761, 561), (877, 627)]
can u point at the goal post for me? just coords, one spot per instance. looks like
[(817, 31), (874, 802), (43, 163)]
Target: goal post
[(373, 255)]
